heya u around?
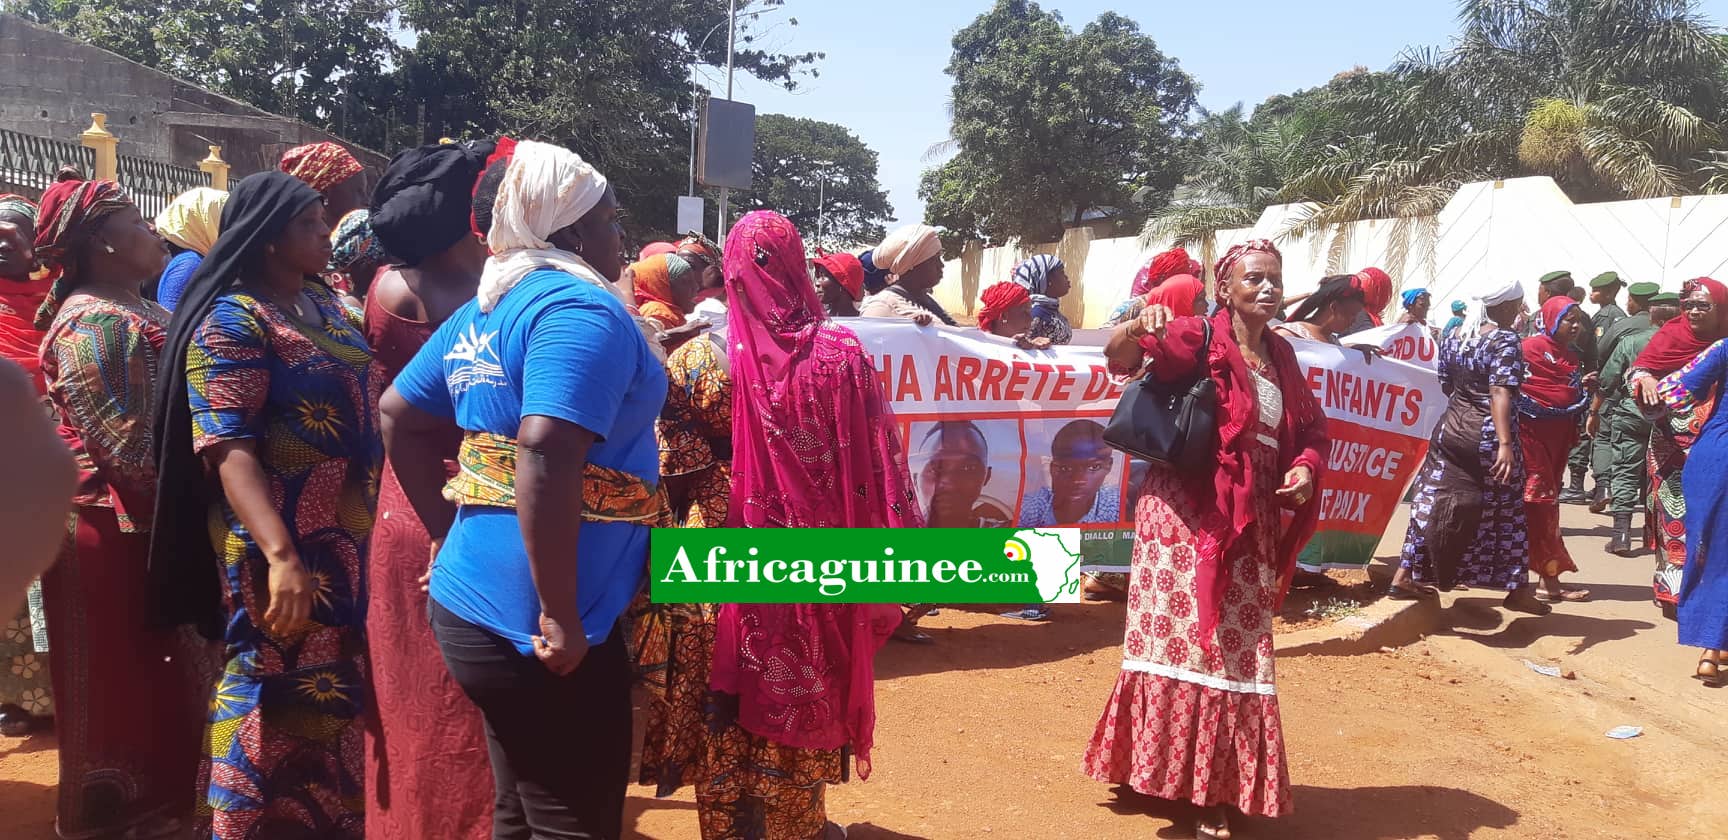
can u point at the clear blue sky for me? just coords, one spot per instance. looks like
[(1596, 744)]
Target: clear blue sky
[(883, 75)]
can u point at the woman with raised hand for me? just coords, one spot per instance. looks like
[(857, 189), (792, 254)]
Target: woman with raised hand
[(1194, 715), (268, 467)]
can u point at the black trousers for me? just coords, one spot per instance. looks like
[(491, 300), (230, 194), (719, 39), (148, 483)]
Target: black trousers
[(560, 746)]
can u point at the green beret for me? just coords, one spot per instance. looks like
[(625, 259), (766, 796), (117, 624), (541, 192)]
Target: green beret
[(1665, 297), (1604, 280), (1554, 275), (1643, 290)]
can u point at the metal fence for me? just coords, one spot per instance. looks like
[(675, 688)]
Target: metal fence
[(152, 184), (28, 162)]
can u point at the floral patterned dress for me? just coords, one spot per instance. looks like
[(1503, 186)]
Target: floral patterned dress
[(1191, 719), (285, 733), (1672, 434)]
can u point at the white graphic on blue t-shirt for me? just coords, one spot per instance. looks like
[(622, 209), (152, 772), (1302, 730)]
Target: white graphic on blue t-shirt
[(478, 362)]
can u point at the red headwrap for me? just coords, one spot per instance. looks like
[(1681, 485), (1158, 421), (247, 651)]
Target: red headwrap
[(655, 249), (1160, 268), (999, 299), (1376, 286), (1552, 365), (1177, 293), (504, 149), (71, 209), (1676, 344), (320, 165), (1233, 256), (846, 269)]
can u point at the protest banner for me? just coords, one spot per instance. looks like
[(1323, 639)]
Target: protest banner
[(1412, 343), (997, 436)]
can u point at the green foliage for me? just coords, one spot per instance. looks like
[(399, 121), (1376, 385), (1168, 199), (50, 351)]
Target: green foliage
[(610, 80), (1613, 99), (1051, 124), (291, 57), (799, 161)]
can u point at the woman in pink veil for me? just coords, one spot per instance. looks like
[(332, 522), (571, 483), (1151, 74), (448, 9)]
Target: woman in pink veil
[(814, 446)]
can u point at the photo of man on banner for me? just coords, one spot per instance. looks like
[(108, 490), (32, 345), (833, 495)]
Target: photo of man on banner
[(1077, 468), (954, 469)]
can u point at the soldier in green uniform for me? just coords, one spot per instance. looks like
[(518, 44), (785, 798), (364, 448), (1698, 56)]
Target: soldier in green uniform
[(1618, 421), (1601, 455), (1604, 289)]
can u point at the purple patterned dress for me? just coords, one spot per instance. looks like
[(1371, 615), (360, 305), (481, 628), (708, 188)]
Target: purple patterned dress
[(1464, 526)]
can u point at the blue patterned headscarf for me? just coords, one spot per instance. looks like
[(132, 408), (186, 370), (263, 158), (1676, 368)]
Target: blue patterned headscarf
[(1033, 274), (353, 240)]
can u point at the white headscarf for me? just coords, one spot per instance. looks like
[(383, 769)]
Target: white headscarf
[(545, 189), (906, 249), (1470, 333)]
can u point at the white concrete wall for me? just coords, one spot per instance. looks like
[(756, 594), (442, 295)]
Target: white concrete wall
[(1524, 227)]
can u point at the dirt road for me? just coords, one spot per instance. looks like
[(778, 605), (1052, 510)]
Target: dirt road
[(980, 735)]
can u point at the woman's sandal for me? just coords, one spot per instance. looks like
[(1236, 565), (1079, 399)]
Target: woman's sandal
[(1572, 596), (1414, 592), (1710, 670), (913, 636), (1205, 829), (1526, 604)]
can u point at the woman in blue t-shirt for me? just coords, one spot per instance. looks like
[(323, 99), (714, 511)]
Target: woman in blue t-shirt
[(554, 384)]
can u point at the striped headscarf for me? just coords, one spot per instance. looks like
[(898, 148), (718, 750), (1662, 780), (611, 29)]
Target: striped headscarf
[(353, 240), (17, 205), (71, 210), (1033, 273), (320, 165)]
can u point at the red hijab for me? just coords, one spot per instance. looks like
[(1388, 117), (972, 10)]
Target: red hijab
[(1224, 496), (814, 445), (1178, 293), (1675, 344), (1553, 367), (1376, 286), (1160, 268), (997, 300)]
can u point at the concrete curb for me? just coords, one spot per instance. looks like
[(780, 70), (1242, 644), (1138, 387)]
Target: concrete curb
[(1384, 623)]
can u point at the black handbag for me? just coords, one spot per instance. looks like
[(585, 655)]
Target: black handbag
[(1174, 424)]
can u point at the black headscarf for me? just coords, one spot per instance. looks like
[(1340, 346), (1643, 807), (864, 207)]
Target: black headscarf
[(184, 570), (422, 203)]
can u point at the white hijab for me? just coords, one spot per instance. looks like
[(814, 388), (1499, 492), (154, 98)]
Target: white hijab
[(1470, 333), (545, 189)]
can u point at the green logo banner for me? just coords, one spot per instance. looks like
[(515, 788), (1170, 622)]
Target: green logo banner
[(865, 565)]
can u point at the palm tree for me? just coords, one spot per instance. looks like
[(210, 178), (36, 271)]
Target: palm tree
[(1613, 99)]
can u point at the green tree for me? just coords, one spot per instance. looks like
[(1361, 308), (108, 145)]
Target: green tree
[(610, 80), (799, 161), (1050, 125), (292, 57), (1614, 99)]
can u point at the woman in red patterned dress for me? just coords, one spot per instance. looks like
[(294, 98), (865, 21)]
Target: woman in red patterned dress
[(1194, 715), (128, 715), (427, 772)]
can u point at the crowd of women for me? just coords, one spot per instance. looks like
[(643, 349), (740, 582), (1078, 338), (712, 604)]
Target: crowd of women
[(367, 473)]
